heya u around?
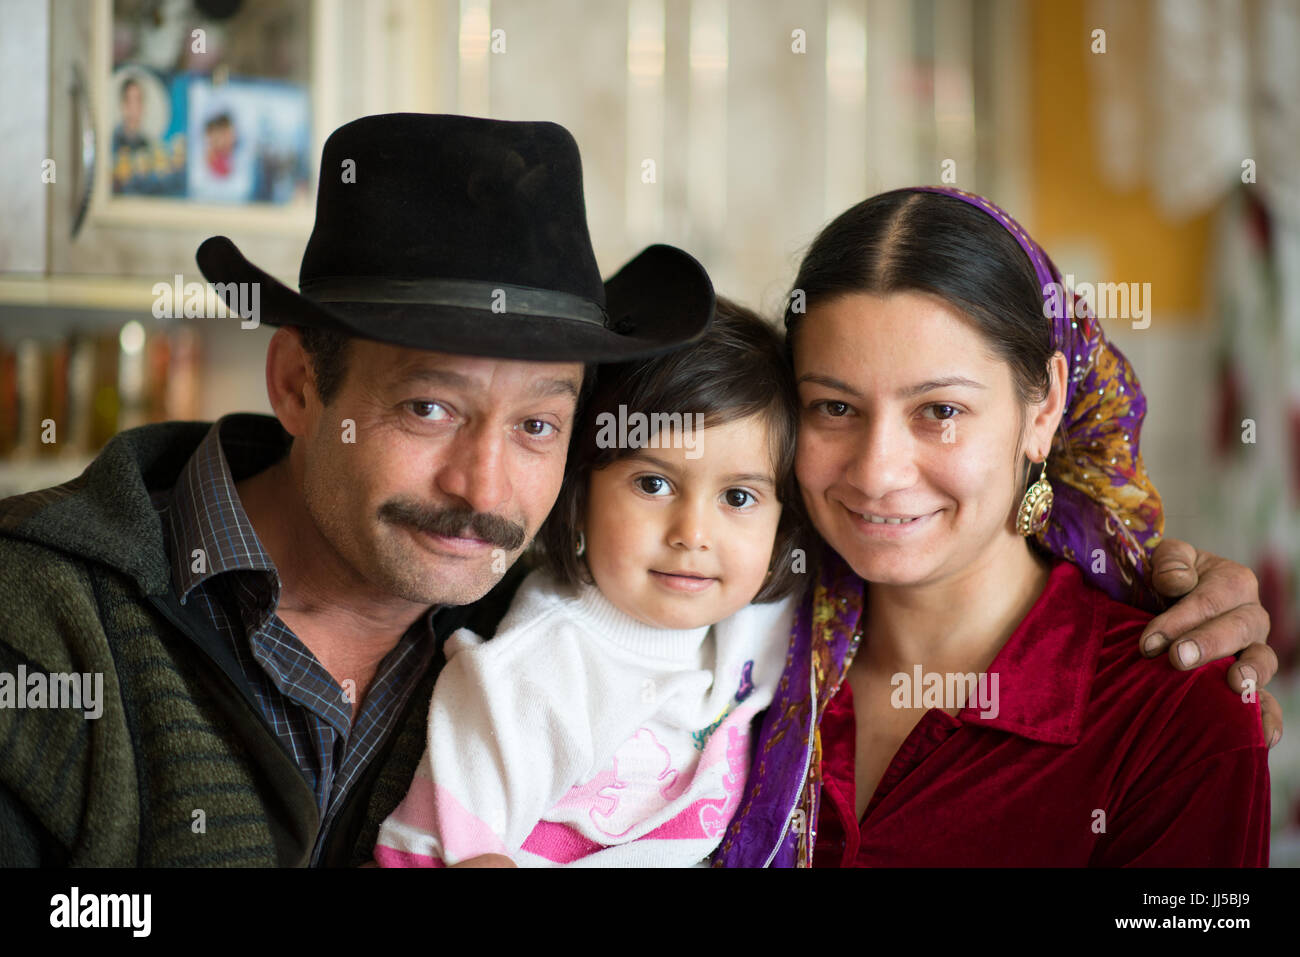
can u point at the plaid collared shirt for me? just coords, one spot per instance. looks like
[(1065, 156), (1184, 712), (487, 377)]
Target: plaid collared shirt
[(238, 589)]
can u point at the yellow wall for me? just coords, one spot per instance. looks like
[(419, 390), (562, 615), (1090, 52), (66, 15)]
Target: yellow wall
[(1069, 200)]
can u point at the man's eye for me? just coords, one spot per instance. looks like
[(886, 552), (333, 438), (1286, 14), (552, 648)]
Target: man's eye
[(740, 498), (538, 428), (428, 411), (652, 484)]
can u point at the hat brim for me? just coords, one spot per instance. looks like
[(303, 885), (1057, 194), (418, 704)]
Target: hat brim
[(658, 301)]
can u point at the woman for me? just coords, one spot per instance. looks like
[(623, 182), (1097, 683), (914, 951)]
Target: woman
[(984, 701)]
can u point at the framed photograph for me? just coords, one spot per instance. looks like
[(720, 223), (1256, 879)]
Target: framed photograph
[(205, 111)]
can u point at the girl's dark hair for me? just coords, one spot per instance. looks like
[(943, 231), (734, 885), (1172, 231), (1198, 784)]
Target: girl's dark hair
[(905, 241), (738, 369)]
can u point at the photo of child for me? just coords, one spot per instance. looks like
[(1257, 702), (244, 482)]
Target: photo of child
[(253, 137)]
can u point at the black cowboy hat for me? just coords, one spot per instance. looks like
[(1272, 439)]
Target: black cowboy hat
[(469, 236)]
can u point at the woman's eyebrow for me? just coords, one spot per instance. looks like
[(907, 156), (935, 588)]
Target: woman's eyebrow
[(906, 393), (931, 384), (830, 382)]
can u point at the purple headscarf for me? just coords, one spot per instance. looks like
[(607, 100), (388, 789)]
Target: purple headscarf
[(1106, 514)]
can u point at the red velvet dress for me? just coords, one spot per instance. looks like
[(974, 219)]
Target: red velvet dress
[(1096, 757)]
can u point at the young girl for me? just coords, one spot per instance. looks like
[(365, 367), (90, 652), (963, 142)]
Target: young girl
[(608, 722)]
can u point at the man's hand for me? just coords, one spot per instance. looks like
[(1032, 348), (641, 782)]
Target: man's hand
[(483, 860), (1220, 616), (487, 860)]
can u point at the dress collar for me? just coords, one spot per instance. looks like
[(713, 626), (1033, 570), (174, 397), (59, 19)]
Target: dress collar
[(1046, 668)]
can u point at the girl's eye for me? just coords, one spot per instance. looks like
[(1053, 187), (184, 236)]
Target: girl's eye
[(740, 498), (428, 411), (538, 428), (652, 484), (832, 407), (943, 411)]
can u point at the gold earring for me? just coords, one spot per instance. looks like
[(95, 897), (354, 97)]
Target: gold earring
[(1035, 506)]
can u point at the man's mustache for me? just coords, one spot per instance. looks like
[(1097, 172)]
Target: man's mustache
[(456, 523)]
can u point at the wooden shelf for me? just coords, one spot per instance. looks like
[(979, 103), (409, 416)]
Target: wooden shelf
[(133, 294), (77, 292)]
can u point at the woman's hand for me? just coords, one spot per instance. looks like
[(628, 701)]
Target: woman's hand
[(1220, 616)]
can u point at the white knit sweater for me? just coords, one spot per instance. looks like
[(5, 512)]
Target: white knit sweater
[(579, 735)]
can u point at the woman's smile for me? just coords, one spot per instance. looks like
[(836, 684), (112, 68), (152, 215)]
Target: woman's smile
[(891, 526)]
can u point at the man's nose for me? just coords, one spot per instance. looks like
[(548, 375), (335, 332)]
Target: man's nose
[(474, 469)]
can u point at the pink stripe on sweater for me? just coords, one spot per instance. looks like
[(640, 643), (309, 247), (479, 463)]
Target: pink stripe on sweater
[(432, 809), (559, 843), (703, 819), (417, 808), (392, 857)]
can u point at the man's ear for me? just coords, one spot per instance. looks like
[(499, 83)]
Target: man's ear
[(289, 381)]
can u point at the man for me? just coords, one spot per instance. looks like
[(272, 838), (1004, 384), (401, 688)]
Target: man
[(259, 608), (264, 599)]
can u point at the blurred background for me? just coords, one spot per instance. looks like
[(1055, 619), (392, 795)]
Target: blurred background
[(1139, 141)]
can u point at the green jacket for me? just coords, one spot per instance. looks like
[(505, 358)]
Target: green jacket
[(179, 769)]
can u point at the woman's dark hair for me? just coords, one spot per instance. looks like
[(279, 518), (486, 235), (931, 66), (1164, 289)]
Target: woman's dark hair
[(738, 369), (905, 241)]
